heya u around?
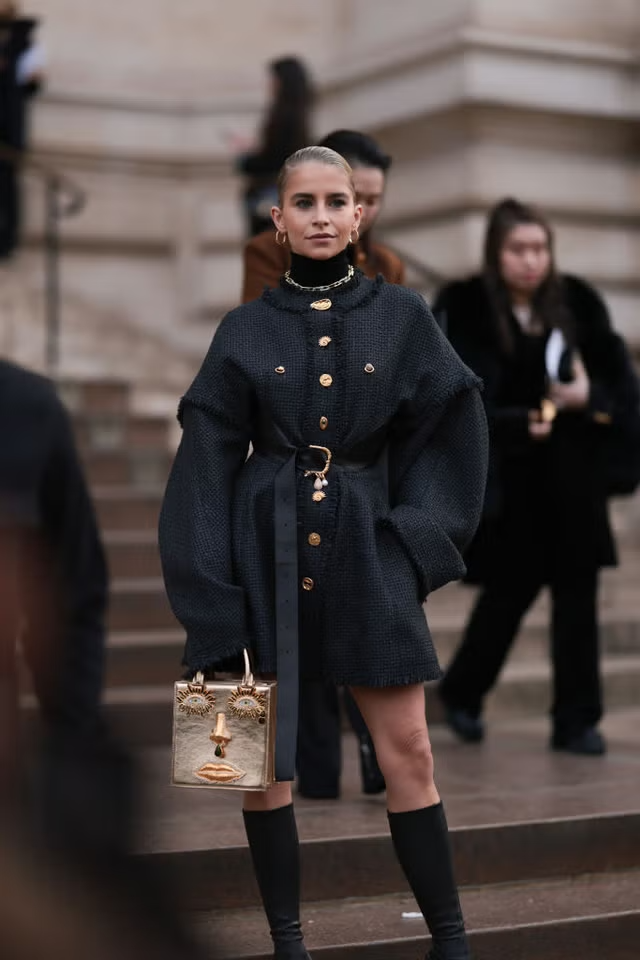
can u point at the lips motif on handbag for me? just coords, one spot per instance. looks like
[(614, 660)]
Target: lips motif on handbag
[(219, 773)]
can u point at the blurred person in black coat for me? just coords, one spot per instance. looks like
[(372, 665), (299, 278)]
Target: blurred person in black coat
[(21, 75), (78, 789), (558, 383), (285, 130), (53, 578)]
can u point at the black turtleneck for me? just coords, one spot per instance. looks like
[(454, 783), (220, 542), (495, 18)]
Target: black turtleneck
[(318, 273)]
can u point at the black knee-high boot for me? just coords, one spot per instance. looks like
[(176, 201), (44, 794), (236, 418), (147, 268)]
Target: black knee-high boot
[(273, 842), (421, 841)]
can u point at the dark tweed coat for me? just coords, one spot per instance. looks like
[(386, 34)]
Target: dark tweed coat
[(384, 542)]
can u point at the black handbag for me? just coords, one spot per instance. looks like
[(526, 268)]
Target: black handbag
[(620, 425), (615, 413)]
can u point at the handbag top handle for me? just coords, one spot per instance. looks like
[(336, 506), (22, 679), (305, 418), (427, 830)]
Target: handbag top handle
[(247, 679)]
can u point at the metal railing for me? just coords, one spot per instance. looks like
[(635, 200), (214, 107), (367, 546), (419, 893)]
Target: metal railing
[(62, 199)]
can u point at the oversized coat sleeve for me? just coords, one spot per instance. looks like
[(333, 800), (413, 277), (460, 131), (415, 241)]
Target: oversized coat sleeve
[(195, 522), (438, 464)]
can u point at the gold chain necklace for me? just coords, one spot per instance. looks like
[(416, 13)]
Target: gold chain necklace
[(327, 286)]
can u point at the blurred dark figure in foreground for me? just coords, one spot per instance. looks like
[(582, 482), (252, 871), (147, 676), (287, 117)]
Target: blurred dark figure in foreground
[(563, 406), (69, 805), (21, 75), (50, 912), (285, 130), (53, 578)]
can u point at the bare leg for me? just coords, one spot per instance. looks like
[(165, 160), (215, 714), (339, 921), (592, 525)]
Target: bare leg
[(277, 795), (396, 718)]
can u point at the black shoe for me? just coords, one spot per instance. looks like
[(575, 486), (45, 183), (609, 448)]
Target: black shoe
[(588, 743), (435, 955), (464, 724), (312, 793), (372, 778)]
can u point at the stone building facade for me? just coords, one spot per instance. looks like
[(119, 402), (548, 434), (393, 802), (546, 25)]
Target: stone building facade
[(475, 99)]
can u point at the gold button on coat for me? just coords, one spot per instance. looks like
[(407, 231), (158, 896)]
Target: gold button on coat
[(369, 368), (314, 539), (324, 423), (307, 584), (324, 341), (326, 379), (279, 369), (324, 304)]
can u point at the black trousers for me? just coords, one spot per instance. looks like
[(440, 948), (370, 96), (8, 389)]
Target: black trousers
[(493, 625), (319, 756)]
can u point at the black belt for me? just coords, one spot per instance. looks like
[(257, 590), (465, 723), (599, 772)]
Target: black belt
[(316, 461)]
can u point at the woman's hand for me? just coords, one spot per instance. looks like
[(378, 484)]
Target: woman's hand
[(539, 428), (574, 395)]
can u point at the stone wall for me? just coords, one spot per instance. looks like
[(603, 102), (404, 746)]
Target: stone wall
[(475, 99)]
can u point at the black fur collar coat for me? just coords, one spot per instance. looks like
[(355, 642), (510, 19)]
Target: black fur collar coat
[(546, 505)]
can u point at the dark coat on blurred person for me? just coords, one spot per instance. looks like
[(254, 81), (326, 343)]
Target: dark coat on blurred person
[(265, 261), (546, 502), (15, 41), (53, 579)]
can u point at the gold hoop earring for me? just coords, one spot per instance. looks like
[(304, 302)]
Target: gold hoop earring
[(283, 242), (357, 235)]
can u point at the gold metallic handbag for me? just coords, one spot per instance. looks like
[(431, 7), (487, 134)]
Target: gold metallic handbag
[(224, 732)]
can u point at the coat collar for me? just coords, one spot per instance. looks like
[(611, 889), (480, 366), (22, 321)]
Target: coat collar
[(344, 299)]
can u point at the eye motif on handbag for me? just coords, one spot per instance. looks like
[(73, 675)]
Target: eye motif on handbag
[(224, 732)]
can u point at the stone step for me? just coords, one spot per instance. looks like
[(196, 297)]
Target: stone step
[(524, 690), (132, 553), (546, 850), (448, 609), (96, 395), (138, 468), (151, 657), (511, 780), (125, 508), (120, 431), (138, 656), (139, 604), (366, 866), (585, 917)]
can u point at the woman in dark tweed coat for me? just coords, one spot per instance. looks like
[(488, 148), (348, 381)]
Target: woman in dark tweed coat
[(254, 548)]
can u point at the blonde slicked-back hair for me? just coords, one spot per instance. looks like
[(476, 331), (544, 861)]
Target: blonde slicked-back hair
[(313, 155)]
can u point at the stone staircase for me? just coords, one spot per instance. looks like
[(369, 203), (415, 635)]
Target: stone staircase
[(547, 846)]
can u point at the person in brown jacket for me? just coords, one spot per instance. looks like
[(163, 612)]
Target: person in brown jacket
[(265, 260), (319, 758)]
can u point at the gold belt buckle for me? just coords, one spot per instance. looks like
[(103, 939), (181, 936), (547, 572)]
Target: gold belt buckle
[(320, 475)]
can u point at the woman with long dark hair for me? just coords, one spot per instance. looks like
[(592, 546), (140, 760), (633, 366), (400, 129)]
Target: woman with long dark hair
[(557, 379), (285, 130)]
